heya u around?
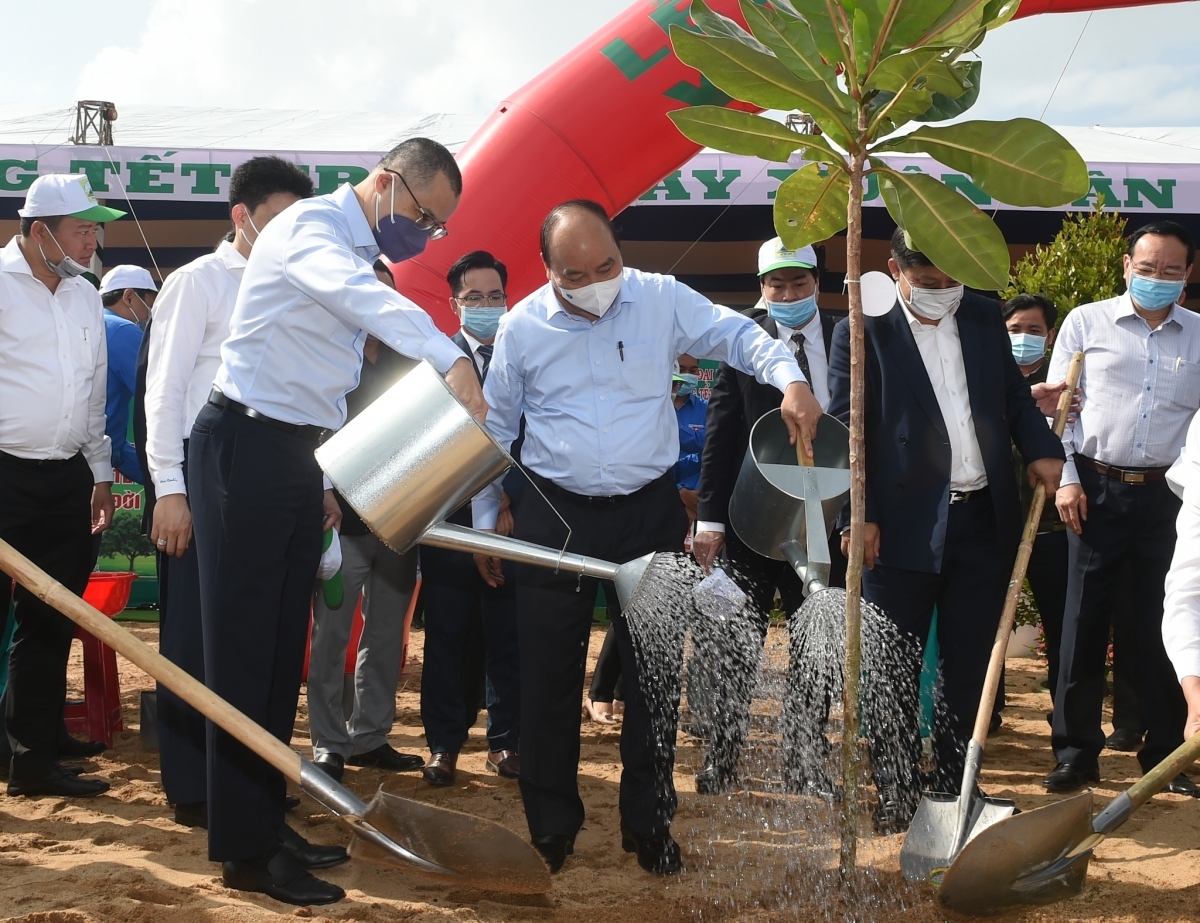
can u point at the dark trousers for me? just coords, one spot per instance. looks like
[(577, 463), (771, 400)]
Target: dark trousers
[(256, 510), (455, 598), (1126, 522), (181, 729), (1047, 575), (606, 679), (969, 595), (554, 618), (45, 513)]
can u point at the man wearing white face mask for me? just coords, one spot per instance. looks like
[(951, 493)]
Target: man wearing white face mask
[(1141, 386), (945, 401), (587, 359), (127, 294), (55, 459)]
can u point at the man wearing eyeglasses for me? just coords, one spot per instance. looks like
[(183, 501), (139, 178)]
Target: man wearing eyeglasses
[(308, 299), (471, 627), (1141, 388)]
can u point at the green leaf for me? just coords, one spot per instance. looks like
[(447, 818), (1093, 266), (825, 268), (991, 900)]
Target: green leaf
[(791, 38), (998, 12), (712, 23), (943, 108), (929, 68), (1021, 161), (961, 240), (738, 132), (822, 18), (811, 206), (761, 79), (957, 26)]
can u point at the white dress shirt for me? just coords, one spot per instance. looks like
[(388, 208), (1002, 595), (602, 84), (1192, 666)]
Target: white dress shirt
[(54, 370), (308, 299), (941, 353), (1141, 387), (474, 345), (599, 417), (818, 367), (1181, 606), (191, 321)]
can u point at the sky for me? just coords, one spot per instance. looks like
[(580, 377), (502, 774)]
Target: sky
[(1134, 67)]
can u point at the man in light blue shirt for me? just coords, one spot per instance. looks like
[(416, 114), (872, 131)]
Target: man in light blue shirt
[(587, 359), (308, 298), (127, 293)]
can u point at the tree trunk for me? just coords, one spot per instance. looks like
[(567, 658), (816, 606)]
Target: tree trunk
[(852, 664)]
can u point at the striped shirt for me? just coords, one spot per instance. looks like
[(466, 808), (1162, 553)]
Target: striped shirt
[(1141, 387)]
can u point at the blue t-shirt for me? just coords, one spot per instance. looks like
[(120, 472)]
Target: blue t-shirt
[(124, 341), (691, 441)]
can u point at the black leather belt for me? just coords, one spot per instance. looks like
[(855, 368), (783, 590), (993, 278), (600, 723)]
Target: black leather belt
[(963, 496), (1124, 475), (551, 488), (308, 433)]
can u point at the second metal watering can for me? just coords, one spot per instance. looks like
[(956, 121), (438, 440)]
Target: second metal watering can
[(785, 511), (416, 455)]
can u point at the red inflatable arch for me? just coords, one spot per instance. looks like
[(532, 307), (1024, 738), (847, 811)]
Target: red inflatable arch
[(592, 125)]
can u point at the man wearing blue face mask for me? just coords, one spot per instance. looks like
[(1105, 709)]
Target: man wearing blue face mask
[(471, 627), (1141, 386), (944, 403), (789, 281), (127, 293), (308, 299)]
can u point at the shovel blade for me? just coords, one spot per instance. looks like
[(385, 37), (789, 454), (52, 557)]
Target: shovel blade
[(1003, 869), (929, 844), (476, 853)]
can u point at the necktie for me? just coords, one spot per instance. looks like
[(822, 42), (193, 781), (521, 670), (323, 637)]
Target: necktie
[(801, 356), (485, 358)]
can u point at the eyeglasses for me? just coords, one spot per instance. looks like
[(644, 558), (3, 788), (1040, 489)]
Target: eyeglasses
[(427, 223), (494, 300)]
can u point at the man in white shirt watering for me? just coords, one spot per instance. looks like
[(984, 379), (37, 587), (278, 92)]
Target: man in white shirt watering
[(587, 360), (191, 321), (309, 298), (1141, 388), (55, 460)]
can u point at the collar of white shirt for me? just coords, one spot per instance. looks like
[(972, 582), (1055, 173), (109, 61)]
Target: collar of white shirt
[(472, 342), (811, 330), (13, 260), (228, 254), (914, 323), (360, 227), (1125, 308)]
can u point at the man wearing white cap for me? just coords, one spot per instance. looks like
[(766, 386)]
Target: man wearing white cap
[(127, 293), (788, 281), (55, 464)]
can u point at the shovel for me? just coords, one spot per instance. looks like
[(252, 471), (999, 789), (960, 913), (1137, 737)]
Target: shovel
[(1042, 856), (435, 842), (944, 824)]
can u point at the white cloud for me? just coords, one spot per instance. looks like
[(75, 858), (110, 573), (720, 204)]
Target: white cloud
[(406, 56)]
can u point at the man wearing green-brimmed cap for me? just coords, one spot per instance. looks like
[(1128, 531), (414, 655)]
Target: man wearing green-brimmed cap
[(55, 462)]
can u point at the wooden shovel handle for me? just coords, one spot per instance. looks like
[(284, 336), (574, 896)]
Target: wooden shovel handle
[(1009, 614), (803, 459), (105, 630)]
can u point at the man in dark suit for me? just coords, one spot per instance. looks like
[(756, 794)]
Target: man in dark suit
[(789, 281), (467, 621), (944, 403)]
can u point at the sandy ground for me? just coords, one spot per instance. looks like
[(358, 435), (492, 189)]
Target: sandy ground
[(120, 857)]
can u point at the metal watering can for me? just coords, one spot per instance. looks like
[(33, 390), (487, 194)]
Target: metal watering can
[(416, 455), (784, 510)]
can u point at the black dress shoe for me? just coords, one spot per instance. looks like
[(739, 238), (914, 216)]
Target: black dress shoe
[(71, 749), (439, 771), (657, 854), (192, 814), (56, 781), (332, 765), (712, 780), (311, 855), (280, 876), (995, 723), (1182, 785), (505, 763), (1124, 740), (554, 847), (291, 802), (386, 757), (1067, 777)]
